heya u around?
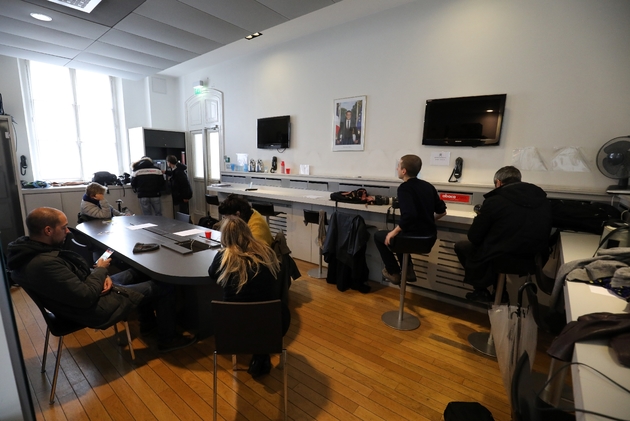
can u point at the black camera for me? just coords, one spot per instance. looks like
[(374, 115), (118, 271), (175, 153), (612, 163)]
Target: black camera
[(395, 203)]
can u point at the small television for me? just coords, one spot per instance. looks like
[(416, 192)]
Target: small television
[(274, 132), (464, 121)]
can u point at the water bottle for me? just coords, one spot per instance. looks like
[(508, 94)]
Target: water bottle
[(282, 167)]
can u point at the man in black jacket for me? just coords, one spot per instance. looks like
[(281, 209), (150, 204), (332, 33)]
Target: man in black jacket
[(514, 220), (148, 181), (70, 288), (180, 186)]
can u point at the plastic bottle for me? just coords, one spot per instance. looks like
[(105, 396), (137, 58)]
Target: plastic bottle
[(282, 167)]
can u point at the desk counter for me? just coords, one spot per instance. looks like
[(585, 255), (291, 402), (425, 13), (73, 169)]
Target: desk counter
[(591, 391)]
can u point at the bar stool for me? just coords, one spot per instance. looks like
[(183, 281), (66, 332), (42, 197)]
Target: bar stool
[(312, 217), (505, 265), (266, 210), (407, 245)]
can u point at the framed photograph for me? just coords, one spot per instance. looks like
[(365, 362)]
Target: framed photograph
[(349, 124)]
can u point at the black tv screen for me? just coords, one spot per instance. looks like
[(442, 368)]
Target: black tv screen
[(464, 121), (274, 132)]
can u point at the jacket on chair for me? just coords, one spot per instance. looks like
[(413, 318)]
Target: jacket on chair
[(344, 251)]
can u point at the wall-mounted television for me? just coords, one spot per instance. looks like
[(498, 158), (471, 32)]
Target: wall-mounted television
[(464, 121), (274, 132)]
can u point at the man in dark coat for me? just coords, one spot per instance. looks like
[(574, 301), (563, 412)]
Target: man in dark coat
[(70, 288), (180, 186), (514, 220), (148, 181)]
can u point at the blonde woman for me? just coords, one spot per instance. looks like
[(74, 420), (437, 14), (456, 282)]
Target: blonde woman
[(247, 270)]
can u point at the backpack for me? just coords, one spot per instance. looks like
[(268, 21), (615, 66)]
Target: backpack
[(105, 178)]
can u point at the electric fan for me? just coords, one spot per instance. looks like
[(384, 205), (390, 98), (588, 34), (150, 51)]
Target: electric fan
[(613, 160)]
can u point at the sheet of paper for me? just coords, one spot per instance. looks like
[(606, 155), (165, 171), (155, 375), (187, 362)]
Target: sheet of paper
[(595, 289), (313, 197), (189, 232), (440, 158), (141, 226)]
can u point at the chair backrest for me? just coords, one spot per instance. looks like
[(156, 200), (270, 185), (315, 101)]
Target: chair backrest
[(84, 218), (57, 325), (182, 217), (265, 209), (212, 199), (247, 328), (80, 244), (312, 217)]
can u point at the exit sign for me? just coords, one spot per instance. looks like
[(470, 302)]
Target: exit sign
[(463, 198)]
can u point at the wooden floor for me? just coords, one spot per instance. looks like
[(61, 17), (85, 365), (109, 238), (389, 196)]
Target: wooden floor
[(344, 364)]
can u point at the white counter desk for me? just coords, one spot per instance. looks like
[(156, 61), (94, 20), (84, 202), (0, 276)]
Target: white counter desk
[(591, 391)]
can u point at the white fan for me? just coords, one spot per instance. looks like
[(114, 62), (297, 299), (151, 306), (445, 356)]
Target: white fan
[(613, 160)]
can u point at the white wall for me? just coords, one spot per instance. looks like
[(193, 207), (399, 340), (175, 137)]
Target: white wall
[(563, 64)]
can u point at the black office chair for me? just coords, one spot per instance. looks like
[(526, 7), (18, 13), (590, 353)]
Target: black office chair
[(248, 328), (526, 405), (312, 217), (212, 199), (266, 210), (60, 327), (81, 244), (407, 245)]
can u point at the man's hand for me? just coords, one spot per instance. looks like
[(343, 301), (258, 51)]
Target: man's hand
[(391, 235), (107, 285), (100, 263)]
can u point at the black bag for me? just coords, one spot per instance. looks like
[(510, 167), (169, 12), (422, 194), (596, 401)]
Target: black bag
[(359, 196), (576, 215), (207, 222), (105, 178), (467, 411)]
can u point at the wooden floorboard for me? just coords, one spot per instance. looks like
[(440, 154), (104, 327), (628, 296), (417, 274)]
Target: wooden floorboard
[(344, 364)]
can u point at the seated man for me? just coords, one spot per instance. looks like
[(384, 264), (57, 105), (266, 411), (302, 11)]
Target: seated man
[(420, 207), (94, 205), (237, 205), (70, 288), (514, 220)]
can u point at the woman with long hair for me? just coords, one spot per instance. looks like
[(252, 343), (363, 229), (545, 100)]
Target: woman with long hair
[(247, 270)]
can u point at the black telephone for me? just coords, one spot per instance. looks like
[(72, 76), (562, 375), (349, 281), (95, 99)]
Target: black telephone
[(274, 164), (23, 165), (457, 171)]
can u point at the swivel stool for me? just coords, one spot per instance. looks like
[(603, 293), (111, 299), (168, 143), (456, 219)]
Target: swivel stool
[(312, 217), (406, 244), (505, 265)]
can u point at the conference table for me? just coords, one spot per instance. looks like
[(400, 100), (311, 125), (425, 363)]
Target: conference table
[(182, 259), (592, 391)]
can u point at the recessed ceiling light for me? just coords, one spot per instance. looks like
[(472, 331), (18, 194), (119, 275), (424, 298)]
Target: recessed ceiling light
[(41, 17), (254, 35)]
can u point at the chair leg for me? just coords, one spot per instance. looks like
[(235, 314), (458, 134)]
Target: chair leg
[(133, 354), (57, 363), (321, 272), (214, 389), (399, 319), (483, 341), (286, 384), (45, 350)]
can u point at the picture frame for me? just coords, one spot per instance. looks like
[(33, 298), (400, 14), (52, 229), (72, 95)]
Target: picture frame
[(349, 124)]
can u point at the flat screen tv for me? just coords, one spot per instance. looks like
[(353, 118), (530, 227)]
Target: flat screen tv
[(274, 132), (464, 121)]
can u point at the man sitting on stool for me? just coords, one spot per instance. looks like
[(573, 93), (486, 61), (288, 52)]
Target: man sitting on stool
[(514, 220), (420, 207)]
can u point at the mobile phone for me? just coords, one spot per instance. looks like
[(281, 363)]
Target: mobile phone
[(106, 255)]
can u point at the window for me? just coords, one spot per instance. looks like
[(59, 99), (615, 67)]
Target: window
[(73, 123)]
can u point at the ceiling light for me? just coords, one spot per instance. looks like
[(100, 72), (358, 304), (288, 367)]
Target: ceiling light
[(254, 35), (41, 17)]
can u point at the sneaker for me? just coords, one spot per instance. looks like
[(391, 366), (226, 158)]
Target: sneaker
[(178, 342), (481, 295), (394, 279)]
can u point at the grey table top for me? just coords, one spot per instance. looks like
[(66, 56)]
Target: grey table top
[(168, 263)]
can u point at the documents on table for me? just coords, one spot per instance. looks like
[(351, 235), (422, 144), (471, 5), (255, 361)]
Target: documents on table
[(141, 226), (189, 232)]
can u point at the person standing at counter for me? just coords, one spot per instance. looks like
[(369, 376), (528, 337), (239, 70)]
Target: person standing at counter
[(180, 186), (148, 181), (247, 269), (420, 207), (514, 220), (237, 205)]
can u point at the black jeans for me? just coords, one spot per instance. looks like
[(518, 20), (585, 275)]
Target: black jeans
[(389, 258), (479, 275)]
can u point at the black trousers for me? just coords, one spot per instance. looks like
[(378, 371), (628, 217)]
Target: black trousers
[(479, 275)]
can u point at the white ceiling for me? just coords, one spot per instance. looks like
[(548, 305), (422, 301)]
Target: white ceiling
[(133, 39)]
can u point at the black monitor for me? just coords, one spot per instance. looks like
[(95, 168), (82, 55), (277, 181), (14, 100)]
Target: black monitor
[(274, 132), (464, 121)]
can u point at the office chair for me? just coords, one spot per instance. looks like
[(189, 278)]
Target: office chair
[(526, 405), (248, 328), (60, 328), (184, 217), (266, 210)]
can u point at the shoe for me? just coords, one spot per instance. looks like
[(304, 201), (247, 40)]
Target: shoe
[(259, 366), (394, 279), (148, 329), (411, 276), (178, 342), (362, 288), (481, 295)]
